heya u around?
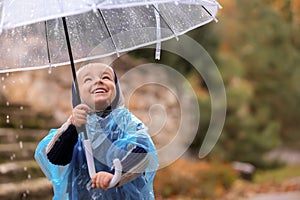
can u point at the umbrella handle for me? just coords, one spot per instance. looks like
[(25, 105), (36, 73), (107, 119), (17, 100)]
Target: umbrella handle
[(91, 165), (118, 173), (89, 157)]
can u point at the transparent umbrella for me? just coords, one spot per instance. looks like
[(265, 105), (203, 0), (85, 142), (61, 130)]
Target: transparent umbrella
[(41, 34)]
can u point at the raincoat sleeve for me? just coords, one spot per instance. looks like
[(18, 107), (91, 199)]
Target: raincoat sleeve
[(60, 151), (133, 165), (135, 148), (58, 175), (60, 148)]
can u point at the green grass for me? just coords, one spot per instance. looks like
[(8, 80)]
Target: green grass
[(278, 175)]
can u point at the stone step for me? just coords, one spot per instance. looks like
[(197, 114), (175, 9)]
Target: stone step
[(16, 116), (17, 151), (9, 135), (19, 171), (13, 135), (36, 189)]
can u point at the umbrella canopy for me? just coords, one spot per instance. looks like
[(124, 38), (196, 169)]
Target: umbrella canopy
[(32, 34), (40, 34)]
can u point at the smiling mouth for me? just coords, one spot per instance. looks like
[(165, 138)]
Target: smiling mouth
[(99, 91)]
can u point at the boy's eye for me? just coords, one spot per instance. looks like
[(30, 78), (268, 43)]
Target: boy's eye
[(87, 80), (106, 78)]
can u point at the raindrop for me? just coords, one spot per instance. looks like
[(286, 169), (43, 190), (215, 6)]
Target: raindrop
[(12, 156), (4, 87), (21, 107), (21, 126), (2, 78), (7, 119), (24, 39), (7, 103), (25, 168), (29, 176), (176, 3), (21, 144), (7, 74), (24, 194), (17, 136), (50, 70)]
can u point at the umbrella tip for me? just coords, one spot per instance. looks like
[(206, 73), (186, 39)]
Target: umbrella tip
[(94, 8), (219, 5), (50, 69)]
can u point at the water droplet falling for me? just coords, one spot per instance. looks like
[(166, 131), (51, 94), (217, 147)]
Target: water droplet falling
[(50, 69), (7, 119), (12, 157)]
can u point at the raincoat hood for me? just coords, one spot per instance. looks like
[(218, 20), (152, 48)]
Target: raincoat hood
[(118, 100)]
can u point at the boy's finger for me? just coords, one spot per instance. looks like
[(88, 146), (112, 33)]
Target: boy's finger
[(83, 107), (80, 111)]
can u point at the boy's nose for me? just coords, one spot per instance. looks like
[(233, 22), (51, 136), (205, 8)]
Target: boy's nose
[(98, 80)]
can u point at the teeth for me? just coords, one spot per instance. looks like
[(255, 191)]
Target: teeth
[(99, 91)]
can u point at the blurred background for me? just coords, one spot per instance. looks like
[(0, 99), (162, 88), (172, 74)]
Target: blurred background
[(256, 47)]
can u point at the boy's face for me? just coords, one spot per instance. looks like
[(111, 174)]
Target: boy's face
[(97, 86)]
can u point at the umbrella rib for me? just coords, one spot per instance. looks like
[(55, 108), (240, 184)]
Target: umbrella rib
[(109, 33), (169, 26), (47, 43), (216, 20)]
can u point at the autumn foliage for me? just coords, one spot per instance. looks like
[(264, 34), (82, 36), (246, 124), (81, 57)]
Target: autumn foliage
[(186, 179)]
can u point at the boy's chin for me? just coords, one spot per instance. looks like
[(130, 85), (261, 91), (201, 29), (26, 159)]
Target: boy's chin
[(100, 106)]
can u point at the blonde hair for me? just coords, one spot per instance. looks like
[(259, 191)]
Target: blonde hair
[(93, 64)]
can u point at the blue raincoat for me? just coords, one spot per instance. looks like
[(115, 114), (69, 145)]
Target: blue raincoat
[(113, 136)]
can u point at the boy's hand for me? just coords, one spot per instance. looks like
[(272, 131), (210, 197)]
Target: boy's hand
[(101, 180), (79, 114)]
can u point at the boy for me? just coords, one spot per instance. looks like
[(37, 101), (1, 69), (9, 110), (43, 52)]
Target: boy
[(114, 133)]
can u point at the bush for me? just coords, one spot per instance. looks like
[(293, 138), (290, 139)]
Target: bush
[(193, 179)]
